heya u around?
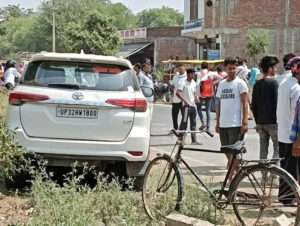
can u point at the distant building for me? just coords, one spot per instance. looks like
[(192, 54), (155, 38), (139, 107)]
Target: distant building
[(221, 27), (156, 44)]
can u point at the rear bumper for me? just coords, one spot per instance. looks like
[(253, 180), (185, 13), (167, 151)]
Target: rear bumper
[(138, 140)]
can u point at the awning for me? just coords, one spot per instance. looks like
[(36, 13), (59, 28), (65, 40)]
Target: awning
[(129, 49)]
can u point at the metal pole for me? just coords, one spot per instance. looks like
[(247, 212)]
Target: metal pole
[(53, 28)]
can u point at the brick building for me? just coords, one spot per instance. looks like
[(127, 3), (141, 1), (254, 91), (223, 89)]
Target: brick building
[(157, 44), (223, 25)]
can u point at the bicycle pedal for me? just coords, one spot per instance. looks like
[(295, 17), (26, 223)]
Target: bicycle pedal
[(223, 192)]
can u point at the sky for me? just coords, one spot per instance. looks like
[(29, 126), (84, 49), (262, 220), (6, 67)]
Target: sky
[(134, 5)]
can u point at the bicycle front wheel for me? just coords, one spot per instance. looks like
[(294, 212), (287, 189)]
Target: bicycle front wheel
[(162, 189), (261, 194)]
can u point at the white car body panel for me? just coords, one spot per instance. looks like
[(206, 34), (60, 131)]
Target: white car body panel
[(117, 130)]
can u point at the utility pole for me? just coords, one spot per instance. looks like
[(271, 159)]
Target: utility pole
[(53, 28)]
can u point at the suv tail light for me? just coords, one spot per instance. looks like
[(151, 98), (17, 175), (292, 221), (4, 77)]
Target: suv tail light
[(138, 105), (135, 153), (18, 98)]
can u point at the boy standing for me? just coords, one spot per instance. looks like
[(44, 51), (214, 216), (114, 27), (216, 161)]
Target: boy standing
[(232, 109), (264, 105), (186, 92)]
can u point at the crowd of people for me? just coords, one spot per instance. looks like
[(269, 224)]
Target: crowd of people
[(236, 94), (240, 94)]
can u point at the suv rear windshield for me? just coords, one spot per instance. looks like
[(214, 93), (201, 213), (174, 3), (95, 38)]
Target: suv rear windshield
[(78, 75)]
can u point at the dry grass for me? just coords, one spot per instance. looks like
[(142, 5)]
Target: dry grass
[(3, 102)]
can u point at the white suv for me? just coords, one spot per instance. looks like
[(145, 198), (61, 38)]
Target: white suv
[(80, 107)]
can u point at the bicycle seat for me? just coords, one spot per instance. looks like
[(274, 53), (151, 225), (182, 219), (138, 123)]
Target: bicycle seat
[(236, 148)]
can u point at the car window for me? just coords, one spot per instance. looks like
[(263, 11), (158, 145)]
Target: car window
[(82, 75)]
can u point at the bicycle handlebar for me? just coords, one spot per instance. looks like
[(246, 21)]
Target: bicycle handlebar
[(178, 133)]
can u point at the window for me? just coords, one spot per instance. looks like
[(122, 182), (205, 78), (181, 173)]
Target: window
[(83, 75), (193, 9)]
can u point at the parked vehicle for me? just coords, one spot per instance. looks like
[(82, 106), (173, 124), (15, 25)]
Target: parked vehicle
[(85, 108)]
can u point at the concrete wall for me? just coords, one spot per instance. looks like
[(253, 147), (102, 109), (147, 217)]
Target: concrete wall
[(169, 42), (180, 46), (160, 32)]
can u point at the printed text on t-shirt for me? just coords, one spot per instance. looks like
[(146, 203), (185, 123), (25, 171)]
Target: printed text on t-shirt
[(227, 94)]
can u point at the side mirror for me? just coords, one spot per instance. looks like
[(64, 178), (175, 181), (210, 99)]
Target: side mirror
[(147, 91)]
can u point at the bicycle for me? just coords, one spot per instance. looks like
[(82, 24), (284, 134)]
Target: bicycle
[(253, 192)]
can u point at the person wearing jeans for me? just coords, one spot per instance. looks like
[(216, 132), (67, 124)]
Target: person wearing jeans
[(176, 102), (265, 133), (264, 105), (189, 113), (205, 93), (187, 93), (206, 102)]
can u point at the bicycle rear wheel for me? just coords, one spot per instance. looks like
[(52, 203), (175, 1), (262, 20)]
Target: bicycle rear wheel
[(162, 190), (257, 200)]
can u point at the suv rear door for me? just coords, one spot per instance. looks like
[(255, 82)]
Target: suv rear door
[(82, 101)]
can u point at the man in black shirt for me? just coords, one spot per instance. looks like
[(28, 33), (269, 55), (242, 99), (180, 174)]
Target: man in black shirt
[(264, 104)]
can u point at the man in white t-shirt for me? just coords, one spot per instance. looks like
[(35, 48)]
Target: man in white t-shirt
[(287, 71), (138, 70), (232, 110), (288, 95), (186, 92), (146, 79), (176, 102)]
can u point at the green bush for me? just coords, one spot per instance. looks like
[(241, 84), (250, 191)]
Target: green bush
[(77, 204), (10, 152)]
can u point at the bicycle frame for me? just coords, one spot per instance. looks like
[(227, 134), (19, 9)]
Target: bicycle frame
[(179, 159), (243, 168)]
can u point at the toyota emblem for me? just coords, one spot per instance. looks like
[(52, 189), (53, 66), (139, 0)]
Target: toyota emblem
[(77, 96)]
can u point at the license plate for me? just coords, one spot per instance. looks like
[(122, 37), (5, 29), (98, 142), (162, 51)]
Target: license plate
[(72, 112)]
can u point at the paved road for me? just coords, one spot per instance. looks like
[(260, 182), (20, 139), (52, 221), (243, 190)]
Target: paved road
[(162, 123)]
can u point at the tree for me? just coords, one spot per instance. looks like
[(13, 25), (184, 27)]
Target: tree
[(121, 16), (16, 36), (74, 26), (257, 44), (14, 11), (94, 34), (164, 16)]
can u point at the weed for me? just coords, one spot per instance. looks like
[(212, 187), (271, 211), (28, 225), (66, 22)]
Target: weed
[(198, 204), (3, 102), (77, 204)]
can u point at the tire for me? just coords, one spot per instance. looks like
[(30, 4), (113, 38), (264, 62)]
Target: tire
[(163, 175), (255, 196)]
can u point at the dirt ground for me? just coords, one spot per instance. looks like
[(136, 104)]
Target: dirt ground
[(14, 210)]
